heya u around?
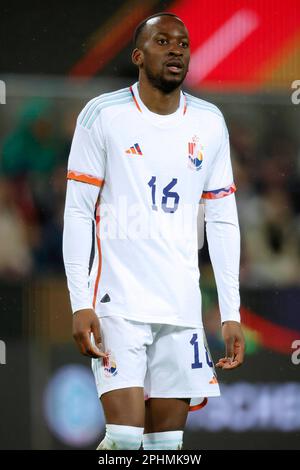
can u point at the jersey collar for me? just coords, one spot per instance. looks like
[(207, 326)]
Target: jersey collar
[(181, 110)]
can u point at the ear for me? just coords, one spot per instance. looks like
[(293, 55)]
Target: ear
[(137, 57)]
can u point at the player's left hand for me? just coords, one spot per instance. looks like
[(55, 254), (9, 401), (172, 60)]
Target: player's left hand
[(235, 345)]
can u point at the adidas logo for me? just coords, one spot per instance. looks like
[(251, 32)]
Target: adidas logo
[(134, 150), (105, 299)]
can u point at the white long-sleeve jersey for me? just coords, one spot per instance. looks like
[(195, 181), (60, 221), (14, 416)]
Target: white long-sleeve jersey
[(130, 231)]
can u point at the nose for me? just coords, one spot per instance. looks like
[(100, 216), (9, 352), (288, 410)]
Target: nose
[(175, 51)]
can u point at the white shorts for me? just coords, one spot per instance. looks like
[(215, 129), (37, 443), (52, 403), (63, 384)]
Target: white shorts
[(167, 361)]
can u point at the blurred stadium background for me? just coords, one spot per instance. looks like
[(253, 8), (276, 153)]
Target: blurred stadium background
[(245, 57)]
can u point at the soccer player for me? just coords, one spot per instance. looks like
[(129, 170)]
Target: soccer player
[(141, 160)]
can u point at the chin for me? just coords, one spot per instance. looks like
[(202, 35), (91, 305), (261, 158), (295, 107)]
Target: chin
[(165, 83), (169, 84)]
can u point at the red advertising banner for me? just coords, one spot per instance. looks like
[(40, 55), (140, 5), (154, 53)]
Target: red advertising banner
[(244, 44)]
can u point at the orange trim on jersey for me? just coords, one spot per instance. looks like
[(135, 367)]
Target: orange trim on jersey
[(219, 193), (185, 105), (135, 100), (83, 178), (99, 254), (138, 106), (198, 407)]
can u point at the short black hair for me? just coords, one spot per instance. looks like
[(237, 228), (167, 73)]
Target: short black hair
[(142, 24)]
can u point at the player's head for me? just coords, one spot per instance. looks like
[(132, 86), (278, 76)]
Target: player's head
[(162, 51)]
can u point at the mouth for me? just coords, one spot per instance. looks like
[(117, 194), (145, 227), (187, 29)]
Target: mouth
[(174, 66)]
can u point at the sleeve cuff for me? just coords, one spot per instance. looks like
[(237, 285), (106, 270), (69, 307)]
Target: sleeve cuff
[(232, 317), (84, 178), (219, 193), (76, 308)]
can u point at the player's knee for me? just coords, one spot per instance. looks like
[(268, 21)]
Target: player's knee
[(119, 437), (168, 440)]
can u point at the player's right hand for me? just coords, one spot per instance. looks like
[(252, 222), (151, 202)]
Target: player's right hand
[(86, 322)]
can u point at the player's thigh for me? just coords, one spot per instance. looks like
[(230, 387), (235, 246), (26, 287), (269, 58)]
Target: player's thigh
[(166, 414), (125, 406), (120, 377)]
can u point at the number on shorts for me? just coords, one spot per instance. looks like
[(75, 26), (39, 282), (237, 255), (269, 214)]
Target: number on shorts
[(197, 364), (194, 342), (209, 362)]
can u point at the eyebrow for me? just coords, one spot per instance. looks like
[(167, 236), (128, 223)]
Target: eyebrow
[(167, 34)]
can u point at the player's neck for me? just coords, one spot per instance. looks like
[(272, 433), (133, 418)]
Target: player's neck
[(156, 100)]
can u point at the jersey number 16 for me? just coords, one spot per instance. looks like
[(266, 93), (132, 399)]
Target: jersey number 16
[(167, 194)]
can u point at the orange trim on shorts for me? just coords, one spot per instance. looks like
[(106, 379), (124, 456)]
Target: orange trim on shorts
[(198, 407), (213, 380), (99, 254), (83, 178)]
